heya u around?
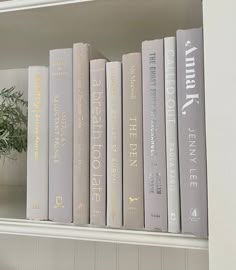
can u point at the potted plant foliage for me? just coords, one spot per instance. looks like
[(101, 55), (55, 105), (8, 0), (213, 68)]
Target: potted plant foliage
[(13, 123)]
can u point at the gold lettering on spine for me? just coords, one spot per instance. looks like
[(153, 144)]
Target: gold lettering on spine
[(56, 157), (60, 123), (36, 111), (133, 147), (60, 117)]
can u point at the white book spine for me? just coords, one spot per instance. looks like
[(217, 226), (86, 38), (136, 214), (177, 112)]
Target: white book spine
[(114, 145), (171, 136), (37, 153)]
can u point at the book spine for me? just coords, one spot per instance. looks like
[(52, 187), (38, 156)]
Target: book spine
[(171, 136), (81, 58), (114, 145), (60, 135), (133, 209), (37, 152), (154, 135), (98, 142), (191, 126)]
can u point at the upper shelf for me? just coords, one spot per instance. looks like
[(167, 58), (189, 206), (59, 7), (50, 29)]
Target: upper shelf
[(114, 27), (14, 5), (49, 229)]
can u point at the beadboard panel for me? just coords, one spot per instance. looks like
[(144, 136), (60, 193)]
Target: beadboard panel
[(174, 259), (31, 253)]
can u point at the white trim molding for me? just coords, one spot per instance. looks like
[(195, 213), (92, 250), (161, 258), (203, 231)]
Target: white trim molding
[(14, 5)]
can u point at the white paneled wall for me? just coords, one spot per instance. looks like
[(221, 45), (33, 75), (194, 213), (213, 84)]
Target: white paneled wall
[(29, 253)]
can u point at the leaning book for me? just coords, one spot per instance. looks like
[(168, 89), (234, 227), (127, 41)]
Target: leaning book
[(60, 135), (191, 127), (37, 152)]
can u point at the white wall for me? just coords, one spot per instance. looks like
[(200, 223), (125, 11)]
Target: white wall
[(30, 253)]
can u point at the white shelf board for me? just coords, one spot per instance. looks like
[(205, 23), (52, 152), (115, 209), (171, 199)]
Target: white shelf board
[(146, 238), (14, 5)]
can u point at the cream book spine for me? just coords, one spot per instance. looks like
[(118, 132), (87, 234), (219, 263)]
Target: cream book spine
[(98, 142), (114, 145), (37, 151)]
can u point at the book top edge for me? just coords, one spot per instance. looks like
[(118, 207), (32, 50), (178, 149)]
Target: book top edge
[(113, 63), (36, 67), (81, 44), (98, 60), (189, 30), (170, 38), (152, 41), (61, 50)]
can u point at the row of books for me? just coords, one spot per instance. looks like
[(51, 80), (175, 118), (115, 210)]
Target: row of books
[(120, 144)]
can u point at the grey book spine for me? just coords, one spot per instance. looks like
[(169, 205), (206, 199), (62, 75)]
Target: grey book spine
[(60, 135), (133, 208), (114, 145), (172, 136), (98, 142), (191, 127), (81, 58), (37, 150), (154, 135)]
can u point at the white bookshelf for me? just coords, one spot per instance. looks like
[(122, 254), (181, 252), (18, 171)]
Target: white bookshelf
[(106, 235), (29, 28)]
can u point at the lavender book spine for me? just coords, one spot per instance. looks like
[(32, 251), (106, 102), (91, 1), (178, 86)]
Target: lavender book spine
[(154, 135)]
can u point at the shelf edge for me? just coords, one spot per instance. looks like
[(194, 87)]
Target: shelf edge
[(15, 5), (145, 238)]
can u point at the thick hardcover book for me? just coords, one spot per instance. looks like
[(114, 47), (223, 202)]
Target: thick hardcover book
[(37, 152), (98, 142), (154, 135), (114, 145), (133, 208), (173, 194), (191, 126), (60, 135), (82, 53)]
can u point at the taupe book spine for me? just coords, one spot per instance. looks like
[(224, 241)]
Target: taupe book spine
[(172, 136), (133, 208), (114, 145), (98, 142), (37, 150), (154, 135), (60, 135), (81, 58), (191, 127)]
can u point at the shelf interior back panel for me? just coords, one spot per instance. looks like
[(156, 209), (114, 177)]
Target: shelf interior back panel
[(114, 27)]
